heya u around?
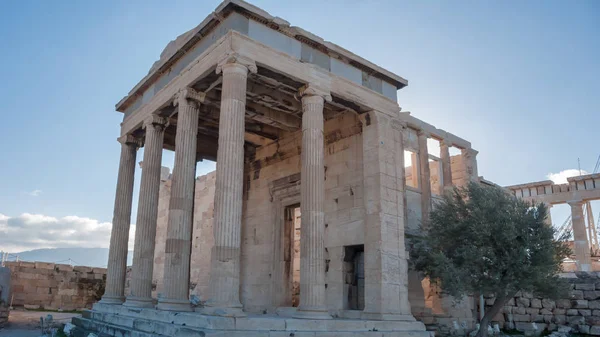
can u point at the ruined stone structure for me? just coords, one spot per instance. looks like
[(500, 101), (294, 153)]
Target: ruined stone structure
[(49, 286), (577, 192), (298, 126), (580, 310)]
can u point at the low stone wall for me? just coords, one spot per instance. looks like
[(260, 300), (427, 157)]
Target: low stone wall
[(581, 311), (55, 286)]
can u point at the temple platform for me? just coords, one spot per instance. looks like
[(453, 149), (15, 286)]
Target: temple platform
[(115, 320)]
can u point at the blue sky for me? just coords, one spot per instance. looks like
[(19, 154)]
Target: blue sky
[(519, 79)]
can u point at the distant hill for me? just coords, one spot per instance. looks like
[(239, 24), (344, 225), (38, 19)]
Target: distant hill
[(92, 257)]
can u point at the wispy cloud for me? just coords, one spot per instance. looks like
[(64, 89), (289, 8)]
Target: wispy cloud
[(35, 193), (32, 231), (561, 177)]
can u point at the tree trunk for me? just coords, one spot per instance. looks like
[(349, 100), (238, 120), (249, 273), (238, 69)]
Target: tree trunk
[(491, 313)]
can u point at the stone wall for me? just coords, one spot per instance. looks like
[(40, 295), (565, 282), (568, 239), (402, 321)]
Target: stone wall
[(55, 286), (580, 311)]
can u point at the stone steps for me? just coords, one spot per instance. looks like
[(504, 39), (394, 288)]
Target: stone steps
[(126, 322)]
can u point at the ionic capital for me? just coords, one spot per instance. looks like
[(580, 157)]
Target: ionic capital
[(236, 59), (186, 95), (313, 90), (130, 140), (155, 120)]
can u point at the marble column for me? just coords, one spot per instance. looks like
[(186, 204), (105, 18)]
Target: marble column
[(181, 205), (145, 234), (224, 284), (446, 163), (582, 246), (119, 238), (425, 181), (469, 158), (312, 195), (548, 219), (386, 267)]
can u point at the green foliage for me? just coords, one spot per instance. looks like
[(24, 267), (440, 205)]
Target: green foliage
[(482, 240)]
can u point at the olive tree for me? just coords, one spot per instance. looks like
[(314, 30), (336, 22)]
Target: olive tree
[(482, 240)]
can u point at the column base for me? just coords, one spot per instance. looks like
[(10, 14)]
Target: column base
[(169, 304), (112, 300), (312, 314), (376, 316), (138, 302), (223, 312)]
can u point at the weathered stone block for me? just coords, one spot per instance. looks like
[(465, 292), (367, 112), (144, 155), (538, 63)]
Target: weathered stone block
[(585, 312), (523, 302), (591, 294), (577, 294), (545, 312), (585, 286), (536, 303), (592, 320), (563, 304), (519, 310), (595, 330), (580, 304), (584, 329), (549, 304), (559, 311), (575, 320), (572, 312), (560, 319), (521, 318)]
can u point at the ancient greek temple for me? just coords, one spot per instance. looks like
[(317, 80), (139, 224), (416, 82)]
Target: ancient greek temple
[(319, 177)]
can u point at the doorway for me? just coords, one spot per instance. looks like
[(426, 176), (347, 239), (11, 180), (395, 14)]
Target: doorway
[(292, 228)]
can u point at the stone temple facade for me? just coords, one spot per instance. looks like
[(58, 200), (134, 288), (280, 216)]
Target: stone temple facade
[(301, 229)]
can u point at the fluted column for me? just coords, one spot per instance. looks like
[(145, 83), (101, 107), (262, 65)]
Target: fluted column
[(181, 205), (312, 194), (582, 246), (224, 286), (446, 163), (119, 236), (424, 182), (145, 233)]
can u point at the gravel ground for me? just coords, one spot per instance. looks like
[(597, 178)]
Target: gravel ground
[(27, 323)]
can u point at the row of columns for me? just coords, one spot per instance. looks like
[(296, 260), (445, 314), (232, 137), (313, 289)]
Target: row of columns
[(469, 162), (225, 256)]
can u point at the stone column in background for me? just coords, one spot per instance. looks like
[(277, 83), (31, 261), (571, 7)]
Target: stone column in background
[(224, 286), (181, 205), (312, 194), (385, 258), (425, 181), (145, 233), (549, 217), (582, 246), (119, 237), (469, 159), (446, 163)]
